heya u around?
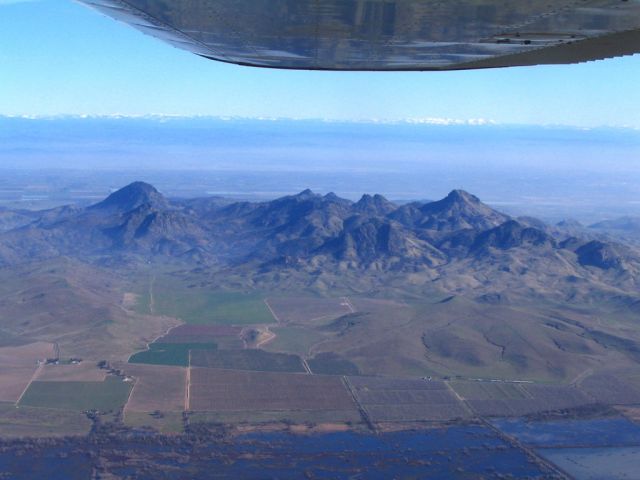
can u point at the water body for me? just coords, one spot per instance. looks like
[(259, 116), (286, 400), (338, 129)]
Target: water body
[(443, 453), (597, 463), (602, 432)]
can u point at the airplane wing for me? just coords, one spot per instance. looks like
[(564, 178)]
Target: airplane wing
[(388, 34)]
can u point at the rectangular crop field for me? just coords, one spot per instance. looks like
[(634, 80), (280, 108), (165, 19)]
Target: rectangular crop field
[(176, 354), (332, 364), (489, 390), (405, 400), (508, 399), (294, 339), (13, 381), (226, 391), (248, 359), (26, 355), (81, 372), (27, 421), (156, 387), (611, 388), (199, 306), (225, 336), (307, 309), (104, 396), (18, 365), (163, 422), (266, 416)]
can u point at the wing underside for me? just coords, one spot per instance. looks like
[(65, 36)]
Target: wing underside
[(388, 34)]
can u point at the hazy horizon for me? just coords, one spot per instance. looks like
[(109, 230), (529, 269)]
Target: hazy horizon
[(552, 172)]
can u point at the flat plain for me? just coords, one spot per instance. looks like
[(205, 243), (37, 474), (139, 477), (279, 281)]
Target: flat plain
[(161, 421), (18, 364), (169, 353), (515, 399), (219, 334), (106, 396), (202, 306), (225, 390), (596, 463), (247, 359), (613, 387), (307, 310), (13, 381), (156, 387), (82, 372), (26, 421), (406, 400)]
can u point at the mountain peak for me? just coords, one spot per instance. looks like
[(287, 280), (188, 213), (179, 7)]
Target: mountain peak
[(457, 196), (459, 210), (132, 196), (374, 205), (307, 192)]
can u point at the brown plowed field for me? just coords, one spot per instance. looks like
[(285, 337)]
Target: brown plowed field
[(82, 372), (157, 387), (229, 390), (17, 366), (406, 400)]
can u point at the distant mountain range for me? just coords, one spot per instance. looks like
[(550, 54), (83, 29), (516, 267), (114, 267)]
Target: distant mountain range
[(457, 244)]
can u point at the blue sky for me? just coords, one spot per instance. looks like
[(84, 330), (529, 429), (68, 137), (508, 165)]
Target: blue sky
[(59, 57)]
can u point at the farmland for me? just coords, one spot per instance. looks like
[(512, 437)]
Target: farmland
[(104, 396), (225, 390), (81, 372), (27, 354), (490, 390), (612, 387), (18, 364), (169, 353), (503, 399), (156, 387), (163, 422), (296, 340), (27, 421), (13, 380), (248, 359), (332, 364), (223, 335), (257, 417), (405, 400), (307, 310), (201, 306)]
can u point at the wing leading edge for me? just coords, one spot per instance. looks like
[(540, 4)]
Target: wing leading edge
[(388, 34)]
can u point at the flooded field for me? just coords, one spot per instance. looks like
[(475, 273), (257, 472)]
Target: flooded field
[(597, 463), (610, 432), (588, 449), (584, 449), (463, 451)]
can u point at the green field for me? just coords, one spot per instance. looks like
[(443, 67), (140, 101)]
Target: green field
[(257, 360), (205, 307), (164, 422), (169, 353), (28, 421), (332, 364), (78, 396), (296, 340)]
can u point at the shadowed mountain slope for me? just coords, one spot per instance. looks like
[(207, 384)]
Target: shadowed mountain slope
[(456, 242)]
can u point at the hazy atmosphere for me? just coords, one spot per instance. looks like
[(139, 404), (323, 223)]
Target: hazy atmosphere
[(551, 172), (216, 271)]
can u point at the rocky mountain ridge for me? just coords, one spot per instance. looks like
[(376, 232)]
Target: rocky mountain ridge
[(457, 237)]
